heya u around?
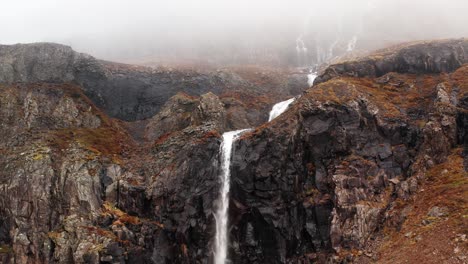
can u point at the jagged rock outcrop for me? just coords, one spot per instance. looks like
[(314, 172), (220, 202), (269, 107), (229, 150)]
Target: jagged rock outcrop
[(182, 111), (221, 114), (175, 115), (419, 58), (44, 62)]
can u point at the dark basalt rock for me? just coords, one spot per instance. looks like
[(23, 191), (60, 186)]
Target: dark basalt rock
[(462, 126), (320, 177)]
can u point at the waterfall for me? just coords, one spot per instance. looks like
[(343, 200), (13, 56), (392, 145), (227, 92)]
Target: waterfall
[(279, 108), (352, 44), (311, 78), (331, 49), (301, 51), (221, 215)]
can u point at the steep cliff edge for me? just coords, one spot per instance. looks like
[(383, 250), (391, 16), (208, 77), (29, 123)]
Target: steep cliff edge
[(324, 176), (77, 189)]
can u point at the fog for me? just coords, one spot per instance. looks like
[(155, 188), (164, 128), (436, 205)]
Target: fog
[(277, 33)]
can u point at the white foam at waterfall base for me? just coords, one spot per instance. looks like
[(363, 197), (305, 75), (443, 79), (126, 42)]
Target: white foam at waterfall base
[(221, 215), (279, 108)]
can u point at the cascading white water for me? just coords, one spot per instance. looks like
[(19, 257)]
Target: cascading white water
[(301, 51), (352, 44), (311, 78), (279, 108), (221, 215)]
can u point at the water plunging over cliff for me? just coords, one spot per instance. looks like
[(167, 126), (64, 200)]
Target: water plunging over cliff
[(311, 78), (279, 108), (221, 215)]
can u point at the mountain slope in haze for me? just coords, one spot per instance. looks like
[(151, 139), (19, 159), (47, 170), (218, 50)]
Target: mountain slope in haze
[(131, 92)]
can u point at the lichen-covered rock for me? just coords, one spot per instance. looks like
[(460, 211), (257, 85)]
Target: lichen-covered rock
[(51, 173)]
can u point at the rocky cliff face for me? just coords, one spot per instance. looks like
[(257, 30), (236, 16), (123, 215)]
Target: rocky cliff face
[(418, 58), (56, 147), (317, 184), (131, 92), (323, 176)]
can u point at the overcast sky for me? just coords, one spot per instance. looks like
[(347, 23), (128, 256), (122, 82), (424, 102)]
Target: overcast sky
[(116, 29), (39, 20)]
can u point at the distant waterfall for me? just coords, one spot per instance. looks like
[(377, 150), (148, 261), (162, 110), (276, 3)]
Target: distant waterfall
[(301, 51), (221, 215), (352, 44), (311, 78), (279, 108)]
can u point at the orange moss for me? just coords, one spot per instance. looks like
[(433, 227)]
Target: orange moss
[(402, 93), (208, 135), (460, 78), (106, 141), (446, 186), (53, 235), (184, 94), (250, 100), (160, 140), (254, 132), (122, 218), (183, 248), (100, 232)]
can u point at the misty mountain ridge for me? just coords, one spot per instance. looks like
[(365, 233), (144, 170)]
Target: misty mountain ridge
[(234, 132)]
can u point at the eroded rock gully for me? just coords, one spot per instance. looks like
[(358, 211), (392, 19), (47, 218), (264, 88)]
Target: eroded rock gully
[(317, 184)]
